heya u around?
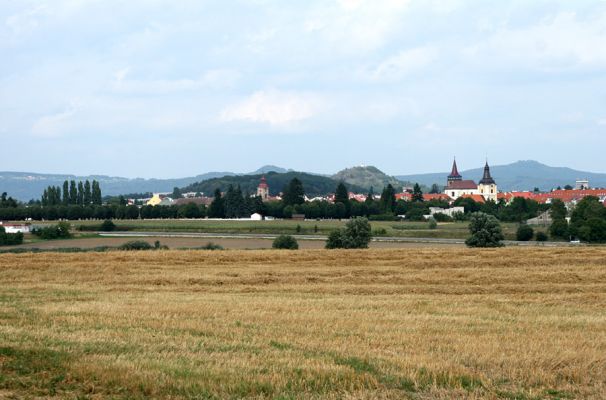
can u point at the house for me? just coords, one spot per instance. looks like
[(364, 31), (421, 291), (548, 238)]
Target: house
[(457, 187), (446, 211), (16, 228), (256, 217)]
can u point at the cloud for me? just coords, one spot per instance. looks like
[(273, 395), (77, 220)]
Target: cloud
[(275, 108), (213, 79), (559, 42), (402, 64), (53, 125)]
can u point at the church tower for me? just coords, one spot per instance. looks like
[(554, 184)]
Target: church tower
[(487, 186), (454, 174), (263, 189)]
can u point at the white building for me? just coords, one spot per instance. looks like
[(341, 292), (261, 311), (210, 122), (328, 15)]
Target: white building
[(457, 187)]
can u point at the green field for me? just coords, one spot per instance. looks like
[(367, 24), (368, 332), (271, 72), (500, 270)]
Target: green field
[(454, 230)]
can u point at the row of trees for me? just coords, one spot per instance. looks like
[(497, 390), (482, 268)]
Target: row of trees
[(6, 202), (587, 221), (72, 193)]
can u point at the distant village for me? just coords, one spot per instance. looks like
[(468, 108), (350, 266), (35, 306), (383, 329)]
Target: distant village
[(456, 187)]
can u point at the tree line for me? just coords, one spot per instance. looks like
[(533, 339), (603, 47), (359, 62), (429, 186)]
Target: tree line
[(72, 194)]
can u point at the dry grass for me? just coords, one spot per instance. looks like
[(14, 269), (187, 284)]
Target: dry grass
[(415, 323)]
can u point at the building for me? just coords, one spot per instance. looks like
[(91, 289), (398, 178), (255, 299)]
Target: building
[(581, 184), (263, 189), (16, 228), (457, 187)]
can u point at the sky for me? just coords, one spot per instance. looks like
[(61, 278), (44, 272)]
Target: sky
[(153, 88)]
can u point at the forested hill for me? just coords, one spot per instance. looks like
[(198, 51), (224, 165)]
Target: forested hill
[(314, 185)]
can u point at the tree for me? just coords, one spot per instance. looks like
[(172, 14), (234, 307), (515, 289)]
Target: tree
[(88, 195), (65, 193), (588, 220), (356, 235), (97, 198), (435, 189), (524, 233), (285, 242), (342, 197), (559, 229), (176, 193), (485, 231), (80, 197), (567, 187), (217, 207), (417, 193), (387, 203), (293, 194), (558, 210), (370, 197), (73, 193)]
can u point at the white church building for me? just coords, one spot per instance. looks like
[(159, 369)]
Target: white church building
[(457, 187)]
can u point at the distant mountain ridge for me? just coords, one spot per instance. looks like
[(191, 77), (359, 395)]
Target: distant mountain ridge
[(520, 175)]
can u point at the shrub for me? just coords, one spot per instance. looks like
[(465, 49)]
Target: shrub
[(541, 237), (107, 226), (9, 239), (441, 217), (432, 224), (524, 233), (356, 235), (383, 217), (459, 216), (379, 232), (285, 242), (59, 231), (136, 245), (559, 229), (211, 246), (485, 231)]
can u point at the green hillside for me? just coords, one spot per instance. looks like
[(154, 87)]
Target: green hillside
[(314, 185), (367, 177)]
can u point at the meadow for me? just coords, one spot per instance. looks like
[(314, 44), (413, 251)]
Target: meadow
[(455, 230), (421, 323)]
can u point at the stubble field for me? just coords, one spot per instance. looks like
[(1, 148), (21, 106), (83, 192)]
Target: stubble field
[(513, 323)]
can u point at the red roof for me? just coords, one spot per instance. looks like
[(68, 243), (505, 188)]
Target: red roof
[(461, 185), (565, 195), (436, 196), (263, 184), (478, 198)]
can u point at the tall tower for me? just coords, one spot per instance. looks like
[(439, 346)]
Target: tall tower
[(487, 186), (454, 174), (263, 189)]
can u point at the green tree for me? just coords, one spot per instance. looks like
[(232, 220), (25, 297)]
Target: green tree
[(176, 193), (88, 195), (217, 207), (485, 231), (417, 193), (342, 197), (558, 210), (524, 233), (387, 203), (73, 193), (356, 235), (435, 189), (293, 193), (97, 198), (80, 198), (559, 229), (65, 193), (285, 242)]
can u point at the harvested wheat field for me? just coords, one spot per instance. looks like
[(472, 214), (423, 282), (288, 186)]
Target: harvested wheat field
[(420, 323)]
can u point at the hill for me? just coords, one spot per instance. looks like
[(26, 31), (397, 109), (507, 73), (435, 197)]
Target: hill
[(367, 177), (314, 185), (521, 175), (27, 185)]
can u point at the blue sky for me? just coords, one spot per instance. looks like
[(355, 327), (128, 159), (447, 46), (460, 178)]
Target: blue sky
[(175, 88)]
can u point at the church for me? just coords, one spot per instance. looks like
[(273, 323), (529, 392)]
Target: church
[(456, 186)]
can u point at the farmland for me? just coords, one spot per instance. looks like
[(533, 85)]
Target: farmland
[(512, 323)]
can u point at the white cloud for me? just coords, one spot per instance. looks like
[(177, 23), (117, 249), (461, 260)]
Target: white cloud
[(403, 63), (273, 107), (54, 125), (558, 42), (213, 79)]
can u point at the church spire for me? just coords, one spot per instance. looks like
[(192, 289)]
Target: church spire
[(454, 174), (487, 179)]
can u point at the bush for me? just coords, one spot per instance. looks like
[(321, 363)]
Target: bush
[(524, 233), (107, 226), (136, 245), (59, 231), (559, 229), (9, 239), (432, 224), (285, 242), (379, 232), (211, 246), (485, 231), (541, 237), (356, 235), (441, 217)]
